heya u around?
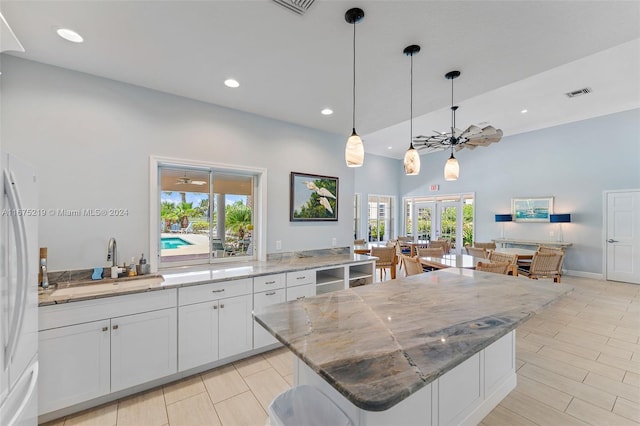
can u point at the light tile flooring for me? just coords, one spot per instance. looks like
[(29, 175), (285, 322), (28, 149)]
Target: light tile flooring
[(578, 362)]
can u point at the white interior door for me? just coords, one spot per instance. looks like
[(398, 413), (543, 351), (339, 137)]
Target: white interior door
[(623, 236)]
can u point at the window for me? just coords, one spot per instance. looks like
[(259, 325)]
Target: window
[(205, 214), (380, 217)]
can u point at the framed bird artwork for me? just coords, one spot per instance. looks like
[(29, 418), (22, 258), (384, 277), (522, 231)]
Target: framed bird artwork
[(313, 198)]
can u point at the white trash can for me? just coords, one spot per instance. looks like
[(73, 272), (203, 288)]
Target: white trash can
[(305, 405)]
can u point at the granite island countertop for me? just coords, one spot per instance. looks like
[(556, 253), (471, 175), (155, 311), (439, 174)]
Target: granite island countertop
[(186, 276), (378, 344)]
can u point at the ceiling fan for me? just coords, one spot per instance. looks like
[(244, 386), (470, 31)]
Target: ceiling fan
[(184, 180), (456, 139)]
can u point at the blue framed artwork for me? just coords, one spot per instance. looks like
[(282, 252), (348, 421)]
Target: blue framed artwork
[(313, 198), (532, 209)]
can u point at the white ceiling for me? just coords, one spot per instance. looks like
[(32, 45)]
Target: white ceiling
[(512, 55)]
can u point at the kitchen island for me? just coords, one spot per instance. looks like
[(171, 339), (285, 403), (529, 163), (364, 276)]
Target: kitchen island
[(435, 348)]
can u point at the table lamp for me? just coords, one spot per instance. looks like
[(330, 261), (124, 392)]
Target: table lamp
[(502, 218), (560, 219)]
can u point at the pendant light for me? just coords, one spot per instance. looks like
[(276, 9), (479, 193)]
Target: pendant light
[(411, 157), (354, 151), (452, 168)]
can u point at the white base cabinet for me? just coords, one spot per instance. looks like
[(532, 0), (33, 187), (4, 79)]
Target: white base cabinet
[(111, 351), (217, 327), (143, 348), (74, 364)]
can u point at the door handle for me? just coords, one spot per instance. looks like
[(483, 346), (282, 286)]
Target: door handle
[(612, 240)]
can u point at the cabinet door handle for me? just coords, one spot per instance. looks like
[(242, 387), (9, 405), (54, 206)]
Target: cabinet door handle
[(215, 306), (217, 291), (269, 282), (105, 328), (300, 297), (301, 278), (612, 240), (221, 305), (271, 293), (115, 327)]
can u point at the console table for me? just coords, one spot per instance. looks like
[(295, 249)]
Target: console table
[(535, 243)]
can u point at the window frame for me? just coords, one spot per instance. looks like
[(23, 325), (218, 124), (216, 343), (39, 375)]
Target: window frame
[(259, 208)]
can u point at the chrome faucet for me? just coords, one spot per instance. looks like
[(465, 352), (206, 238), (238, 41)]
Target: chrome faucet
[(112, 252)]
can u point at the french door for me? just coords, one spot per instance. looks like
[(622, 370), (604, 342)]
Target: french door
[(438, 219)]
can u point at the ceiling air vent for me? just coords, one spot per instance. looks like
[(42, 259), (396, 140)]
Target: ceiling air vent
[(297, 6), (579, 92)]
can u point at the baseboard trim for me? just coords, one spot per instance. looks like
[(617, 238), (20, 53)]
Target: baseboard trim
[(582, 274)]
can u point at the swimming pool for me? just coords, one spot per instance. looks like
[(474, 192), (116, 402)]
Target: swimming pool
[(169, 243)]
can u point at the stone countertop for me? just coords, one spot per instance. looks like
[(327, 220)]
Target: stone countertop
[(185, 276), (378, 344)]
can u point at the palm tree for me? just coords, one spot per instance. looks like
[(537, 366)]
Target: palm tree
[(237, 217)]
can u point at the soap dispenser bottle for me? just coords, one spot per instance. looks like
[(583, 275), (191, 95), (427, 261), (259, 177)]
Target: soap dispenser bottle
[(132, 267)]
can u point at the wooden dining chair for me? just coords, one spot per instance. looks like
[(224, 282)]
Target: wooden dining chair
[(358, 242), (430, 252), (386, 258), (440, 243), (488, 246), (544, 265), (412, 265), (476, 252), (545, 249), (512, 259), (497, 268)]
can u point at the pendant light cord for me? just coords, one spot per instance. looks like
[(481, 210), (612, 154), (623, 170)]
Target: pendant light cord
[(354, 76), (411, 105), (453, 115)]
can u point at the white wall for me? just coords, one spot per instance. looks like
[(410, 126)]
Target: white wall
[(91, 138), (574, 163)]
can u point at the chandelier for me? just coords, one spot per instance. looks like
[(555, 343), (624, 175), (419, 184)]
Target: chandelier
[(456, 139)]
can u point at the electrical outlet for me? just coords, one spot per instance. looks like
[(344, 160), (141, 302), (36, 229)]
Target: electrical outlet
[(278, 245), (334, 242)]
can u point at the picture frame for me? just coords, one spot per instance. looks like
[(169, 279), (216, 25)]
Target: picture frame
[(532, 209), (313, 198)]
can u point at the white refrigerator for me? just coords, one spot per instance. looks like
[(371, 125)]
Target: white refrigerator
[(18, 293)]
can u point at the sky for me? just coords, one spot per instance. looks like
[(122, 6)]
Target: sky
[(195, 197)]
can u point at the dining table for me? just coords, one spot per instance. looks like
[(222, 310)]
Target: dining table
[(521, 254), (452, 261)]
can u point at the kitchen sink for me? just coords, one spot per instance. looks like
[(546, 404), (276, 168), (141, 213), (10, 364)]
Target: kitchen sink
[(105, 286)]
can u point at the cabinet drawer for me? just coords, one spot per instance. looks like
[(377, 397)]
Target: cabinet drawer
[(69, 313), (268, 297), (301, 277), (300, 292), (268, 282), (213, 291)]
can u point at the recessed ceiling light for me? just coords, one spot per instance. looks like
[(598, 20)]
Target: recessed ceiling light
[(231, 83), (326, 111), (389, 147), (524, 111), (69, 35)]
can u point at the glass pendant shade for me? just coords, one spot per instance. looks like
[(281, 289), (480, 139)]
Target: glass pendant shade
[(451, 169), (411, 162), (354, 151)]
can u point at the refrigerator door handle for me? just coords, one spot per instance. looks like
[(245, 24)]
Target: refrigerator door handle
[(15, 326)]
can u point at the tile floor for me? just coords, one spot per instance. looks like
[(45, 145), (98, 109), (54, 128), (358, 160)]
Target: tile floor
[(578, 362)]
